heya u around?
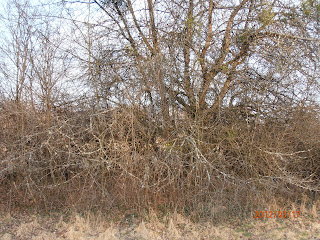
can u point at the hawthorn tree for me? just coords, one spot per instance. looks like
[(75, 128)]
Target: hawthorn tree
[(199, 56)]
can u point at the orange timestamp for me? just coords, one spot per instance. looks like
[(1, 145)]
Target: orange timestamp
[(277, 214)]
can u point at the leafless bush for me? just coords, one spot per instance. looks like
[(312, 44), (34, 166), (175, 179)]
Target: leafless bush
[(122, 157)]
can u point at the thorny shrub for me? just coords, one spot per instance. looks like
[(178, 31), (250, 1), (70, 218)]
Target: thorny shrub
[(121, 157)]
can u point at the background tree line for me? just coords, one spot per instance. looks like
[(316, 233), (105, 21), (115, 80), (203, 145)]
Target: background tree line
[(187, 104)]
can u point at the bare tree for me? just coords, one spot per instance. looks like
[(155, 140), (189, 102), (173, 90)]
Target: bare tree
[(201, 50)]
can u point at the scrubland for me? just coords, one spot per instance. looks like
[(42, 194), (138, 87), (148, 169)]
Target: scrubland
[(124, 177)]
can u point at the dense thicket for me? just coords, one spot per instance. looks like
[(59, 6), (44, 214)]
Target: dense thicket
[(210, 107)]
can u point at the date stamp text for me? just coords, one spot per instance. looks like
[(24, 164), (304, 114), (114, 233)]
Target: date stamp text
[(277, 214)]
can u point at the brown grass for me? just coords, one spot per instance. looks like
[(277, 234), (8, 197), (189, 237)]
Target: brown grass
[(153, 226)]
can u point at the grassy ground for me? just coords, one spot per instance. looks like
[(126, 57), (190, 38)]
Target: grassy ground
[(128, 227)]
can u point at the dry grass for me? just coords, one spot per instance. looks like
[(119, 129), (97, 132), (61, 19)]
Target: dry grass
[(174, 226)]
